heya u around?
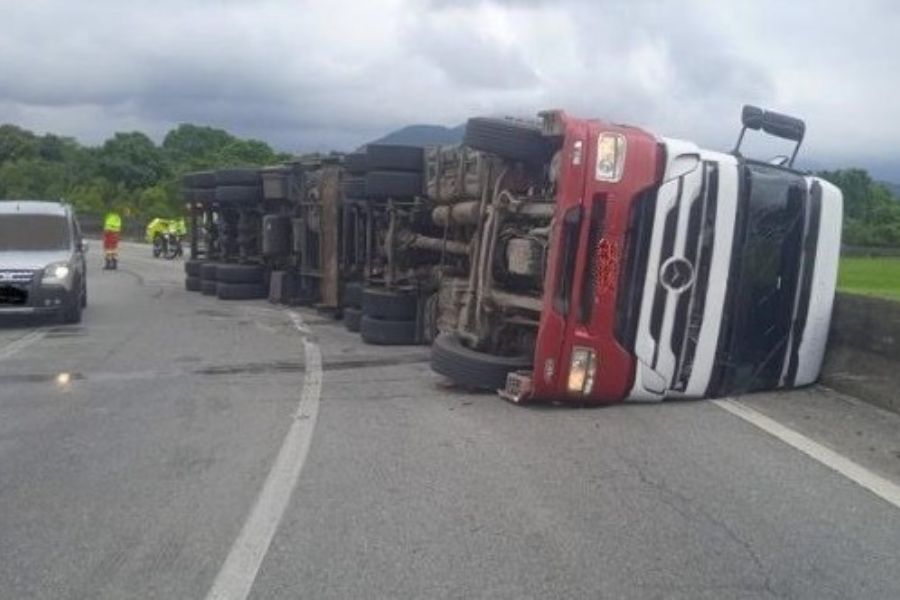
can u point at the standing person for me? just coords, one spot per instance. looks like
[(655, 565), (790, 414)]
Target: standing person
[(112, 226)]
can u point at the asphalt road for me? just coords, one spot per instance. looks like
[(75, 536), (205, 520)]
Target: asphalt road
[(152, 451)]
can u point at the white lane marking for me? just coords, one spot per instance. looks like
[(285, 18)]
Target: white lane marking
[(237, 575), (20, 344), (878, 485)]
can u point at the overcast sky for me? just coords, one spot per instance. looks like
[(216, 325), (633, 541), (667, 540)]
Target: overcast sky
[(334, 74)]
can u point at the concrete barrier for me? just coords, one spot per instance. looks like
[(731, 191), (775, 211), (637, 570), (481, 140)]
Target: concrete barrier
[(863, 358)]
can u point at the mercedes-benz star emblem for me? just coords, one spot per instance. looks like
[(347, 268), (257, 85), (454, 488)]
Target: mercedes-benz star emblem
[(676, 274)]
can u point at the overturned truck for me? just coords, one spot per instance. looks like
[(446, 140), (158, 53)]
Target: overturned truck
[(566, 259)]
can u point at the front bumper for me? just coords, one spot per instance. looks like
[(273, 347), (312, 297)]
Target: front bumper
[(38, 299)]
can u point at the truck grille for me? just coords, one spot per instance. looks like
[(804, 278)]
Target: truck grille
[(690, 304), (699, 251)]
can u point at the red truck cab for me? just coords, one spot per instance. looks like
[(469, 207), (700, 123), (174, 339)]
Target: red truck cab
[(603, 170)]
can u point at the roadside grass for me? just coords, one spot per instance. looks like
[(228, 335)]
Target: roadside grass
[(877, 276)]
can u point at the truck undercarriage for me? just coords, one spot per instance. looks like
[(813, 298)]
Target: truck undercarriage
[(534, 257)]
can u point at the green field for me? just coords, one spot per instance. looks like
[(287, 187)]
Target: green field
[(870, 276)]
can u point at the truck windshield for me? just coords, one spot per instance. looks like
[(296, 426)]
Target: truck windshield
[(33, 232)]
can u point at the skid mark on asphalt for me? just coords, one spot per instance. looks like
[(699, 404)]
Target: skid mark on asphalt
[(20, 344), (878, 485), (245, 369), (239, 571)]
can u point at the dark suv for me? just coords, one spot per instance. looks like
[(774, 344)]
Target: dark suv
[(42, 266)]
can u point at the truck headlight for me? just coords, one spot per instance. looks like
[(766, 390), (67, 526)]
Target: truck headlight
[(582, 368), (610, 157), (57, 273)]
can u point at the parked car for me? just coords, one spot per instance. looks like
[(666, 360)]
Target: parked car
[(42, 263)]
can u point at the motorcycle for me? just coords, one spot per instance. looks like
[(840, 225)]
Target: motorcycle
[(167, 245)]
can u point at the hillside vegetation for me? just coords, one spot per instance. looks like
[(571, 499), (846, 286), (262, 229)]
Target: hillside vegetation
[(128, 172), (871, 212)]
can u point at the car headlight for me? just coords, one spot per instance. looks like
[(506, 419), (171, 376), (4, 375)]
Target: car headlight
[(610, 157), (57, 273), (582, 368)]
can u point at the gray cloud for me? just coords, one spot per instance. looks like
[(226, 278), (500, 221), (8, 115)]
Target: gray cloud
[(334, 74)]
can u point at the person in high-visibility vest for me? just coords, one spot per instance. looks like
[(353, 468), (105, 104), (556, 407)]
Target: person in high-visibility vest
[(112, 227)]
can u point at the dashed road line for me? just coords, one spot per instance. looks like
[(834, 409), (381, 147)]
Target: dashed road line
[(20, 344), (878, 485), (239, 571)]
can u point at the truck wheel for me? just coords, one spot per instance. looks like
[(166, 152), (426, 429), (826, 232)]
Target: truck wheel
[(515, 140), (71, 313), (192, 267), (193, 284), (470, 368), (352, 318), (353, 187), (380, 303), (208, 271), (241, 291), (397, 184), (355, 163), (353, 294), (208, 287), (240, 273), (387, 333), (393, 157), (239, 176)]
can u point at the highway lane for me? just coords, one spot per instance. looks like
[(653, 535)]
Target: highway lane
[(134, 449)]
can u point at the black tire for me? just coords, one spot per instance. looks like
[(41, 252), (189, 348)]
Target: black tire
[(240, 273), (238, 177), (507, 138), (387, 333), (352, 318), (208, 287), (393, 157), (353, 294), (355, 163), (157, 245), (396, 184), (241, 291), (208, 271), (192, 267), (353, 187), (238, 194), (71, 313), (472, 369), (199, 179), (193, 284), (380, 303)]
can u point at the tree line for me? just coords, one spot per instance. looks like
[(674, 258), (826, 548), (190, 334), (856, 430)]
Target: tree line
[(132, 174), (871, 211), (128, 172)]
